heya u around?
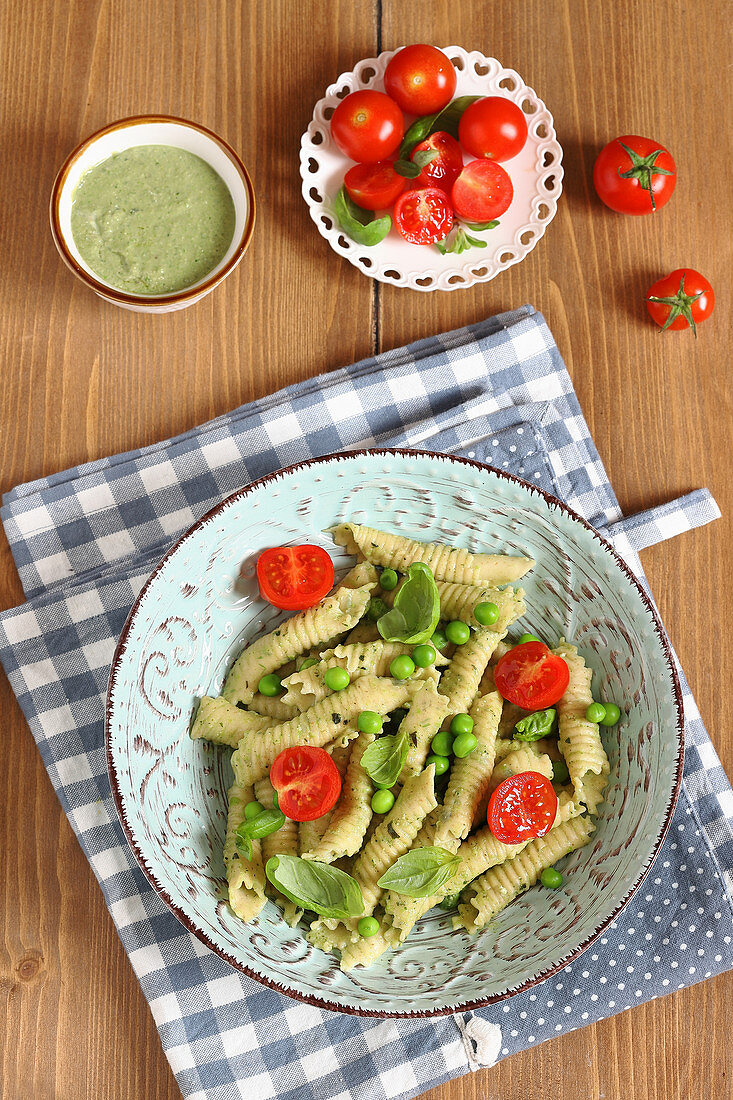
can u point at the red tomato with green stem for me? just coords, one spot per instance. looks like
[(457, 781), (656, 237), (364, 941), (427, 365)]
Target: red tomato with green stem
[(634, 175), (521, 808), (493, 127), (420, 79), (482, 192), (374, 186), (681, 300), (531, 676), (294, 577), (307, 782), (367, 126), (445, 166), (424, 216)]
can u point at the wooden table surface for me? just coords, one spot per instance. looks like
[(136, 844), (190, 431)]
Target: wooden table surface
[(81, 379)]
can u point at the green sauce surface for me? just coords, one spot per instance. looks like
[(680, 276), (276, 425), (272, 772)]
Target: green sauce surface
[(153, 219)]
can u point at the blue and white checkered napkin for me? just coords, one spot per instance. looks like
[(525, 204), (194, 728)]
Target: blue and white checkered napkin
[(85, 541)]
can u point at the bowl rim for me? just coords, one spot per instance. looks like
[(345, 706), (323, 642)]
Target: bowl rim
[(187, 921), (105, 290)]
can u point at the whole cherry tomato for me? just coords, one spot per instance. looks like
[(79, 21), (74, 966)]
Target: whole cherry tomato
[(367, 126), (531, 676), (482, 192), (445, 167), (681, 300), (423, 217), (374, 186), (307, 782), (294, 577), (521, 808), (420, 79), (493, 127), (634, 175)]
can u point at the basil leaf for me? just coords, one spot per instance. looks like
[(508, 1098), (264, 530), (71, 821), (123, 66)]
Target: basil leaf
[(269, 821), (483, 225), (243, 845), (533, 726), (376, 608), (441, 246), (423, 157), (367, 234), (420, 872), (364, 217), (475, 241), (416, 610), (450, 116), (317, 886), (384, 759), (407, 169), (415, 134)]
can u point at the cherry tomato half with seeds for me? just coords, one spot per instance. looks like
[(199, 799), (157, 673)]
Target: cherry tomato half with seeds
[(307, 782), (493, 127), (634, 175), (420, 79), (531, 676), (423, 217), (521, 808), (294, 577), (445, 168), (374, 186), (681, 300), (482, 192), (367, 126)]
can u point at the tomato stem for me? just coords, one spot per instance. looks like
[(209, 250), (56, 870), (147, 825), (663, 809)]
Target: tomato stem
[(680, 306), (643, 168)]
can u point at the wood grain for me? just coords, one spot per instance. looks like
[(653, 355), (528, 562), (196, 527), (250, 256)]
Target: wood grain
[(82, 379)]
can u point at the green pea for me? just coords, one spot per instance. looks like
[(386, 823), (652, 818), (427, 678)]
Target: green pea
[(307, 663), (253, 809), (560, 773), (442, 763), (367, 927), (389, 580), (382, 801), (461, 723), (402, 667), (464, 744), (596, 712), (551, 878), (458, 632), (450, 901), (270, 685), (439, 640), (337, 678), (442, 744), (369, 722), (376, 608), (611, 716), (528, 638), (486, 613), (424, 655)]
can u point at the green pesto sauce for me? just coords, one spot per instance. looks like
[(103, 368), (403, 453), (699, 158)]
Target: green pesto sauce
[(153, 219)]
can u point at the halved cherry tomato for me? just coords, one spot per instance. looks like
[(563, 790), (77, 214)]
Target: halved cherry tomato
[(294, 577), (531, 676), (634, 175), (307, 782), (521, 808), (445, 168), (420, 79), (493, 127), (423, 217), (681, 300), (374, 186), (482, 192), (367, 126)]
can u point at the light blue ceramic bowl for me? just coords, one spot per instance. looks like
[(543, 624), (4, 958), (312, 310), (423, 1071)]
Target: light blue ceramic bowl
[(196, 613)]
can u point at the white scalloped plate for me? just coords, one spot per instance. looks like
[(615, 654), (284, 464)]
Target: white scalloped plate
[(536, 174)]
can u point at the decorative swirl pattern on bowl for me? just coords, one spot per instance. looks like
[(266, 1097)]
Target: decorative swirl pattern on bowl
[(537, 175), (171, 791)]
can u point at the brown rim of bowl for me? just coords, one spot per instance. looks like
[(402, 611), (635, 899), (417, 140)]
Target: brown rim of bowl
[(141, 299), (480, 1002)]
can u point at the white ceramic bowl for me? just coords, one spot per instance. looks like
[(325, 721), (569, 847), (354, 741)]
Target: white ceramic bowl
[(153, 130), (536, 174)]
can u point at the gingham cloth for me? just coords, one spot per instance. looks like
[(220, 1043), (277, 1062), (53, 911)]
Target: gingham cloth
[(86, 540)]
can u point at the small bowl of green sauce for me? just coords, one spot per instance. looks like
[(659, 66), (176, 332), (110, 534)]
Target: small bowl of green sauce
[(152, 212)]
